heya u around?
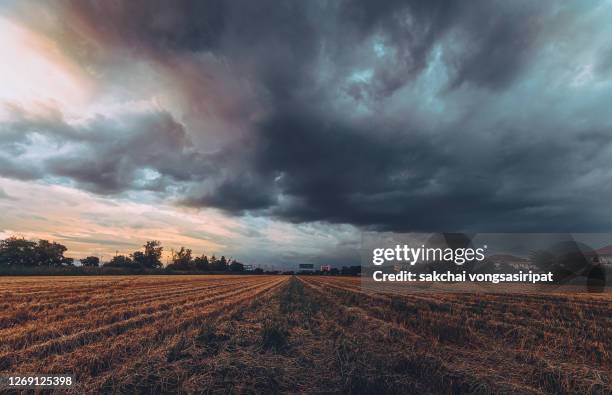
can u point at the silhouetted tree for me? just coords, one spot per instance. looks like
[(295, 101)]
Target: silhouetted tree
[(181, 260), (151, 257), (201, 263), (258, 270), (236, 266), (218, 265), (90, 261), (17, 251), (50, 254), (183, 256), (138, 258), (120, 261)]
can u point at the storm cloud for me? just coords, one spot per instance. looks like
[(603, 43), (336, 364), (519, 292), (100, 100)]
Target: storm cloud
[(400, 115)]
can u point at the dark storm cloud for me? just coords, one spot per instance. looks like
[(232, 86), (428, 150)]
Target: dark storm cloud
[(14, 168), (239, 193), (280, 42), (403, 115), (407, 181), (153, 142), (137, 151), (489, 42), (139, 25)]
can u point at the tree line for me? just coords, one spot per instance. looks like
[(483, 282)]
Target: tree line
[(19, 251), (35, 257), (16, 251)]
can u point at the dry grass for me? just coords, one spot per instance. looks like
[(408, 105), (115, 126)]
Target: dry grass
[(484, 343), (267, 334)]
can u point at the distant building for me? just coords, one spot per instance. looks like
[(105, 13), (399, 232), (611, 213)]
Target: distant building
[(306, 267), (326, 268), (248, 268)]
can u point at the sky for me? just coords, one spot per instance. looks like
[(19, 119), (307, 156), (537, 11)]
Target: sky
[(277, 132)]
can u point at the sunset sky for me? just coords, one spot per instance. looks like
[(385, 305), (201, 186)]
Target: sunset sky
[(277, 131)]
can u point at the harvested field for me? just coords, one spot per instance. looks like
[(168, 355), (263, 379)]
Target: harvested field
[(269, 334)]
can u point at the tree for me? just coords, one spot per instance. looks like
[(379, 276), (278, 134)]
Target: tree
[(183, 257), (51, 254), (223, 261), (17, 251), (236, 266), (90, 261), (139, 258), (258, 270), (120, 261), (181, 260), (151, 257), (222, 264), (201, 263), (218, 265)]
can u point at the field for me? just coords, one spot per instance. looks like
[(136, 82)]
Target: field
[(267, 334)]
